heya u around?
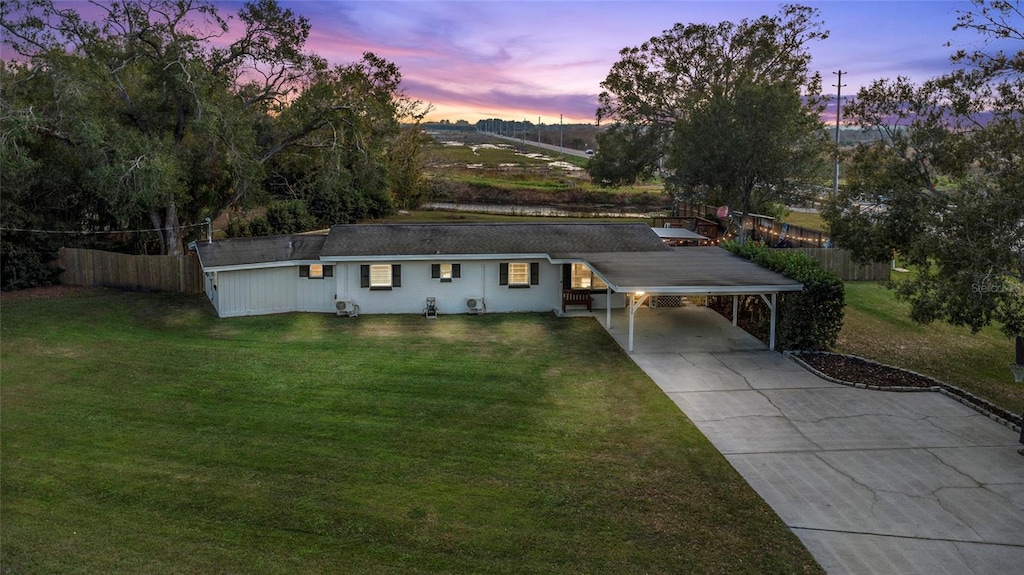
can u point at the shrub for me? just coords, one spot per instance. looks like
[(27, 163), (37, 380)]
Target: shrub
[(26, 265), (809, 320), (290, 217)]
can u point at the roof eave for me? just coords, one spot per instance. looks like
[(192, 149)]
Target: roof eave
[(708, 290)]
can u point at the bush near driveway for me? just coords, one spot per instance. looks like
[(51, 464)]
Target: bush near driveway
[(809, 320)]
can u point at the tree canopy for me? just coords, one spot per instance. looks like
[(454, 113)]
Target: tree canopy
[(734, 108), (945, 187), (159, 115)]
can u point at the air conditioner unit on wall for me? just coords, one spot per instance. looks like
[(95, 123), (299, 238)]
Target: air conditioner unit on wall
[(475, 304), (346, 307)]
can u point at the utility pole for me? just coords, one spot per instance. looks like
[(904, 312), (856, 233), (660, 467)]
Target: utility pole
[(839, 112), (538, 129), (560, 151)]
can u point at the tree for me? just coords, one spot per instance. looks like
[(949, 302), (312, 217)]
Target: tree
[(167, 128), (626, 153), (736, 102), (945, 187)]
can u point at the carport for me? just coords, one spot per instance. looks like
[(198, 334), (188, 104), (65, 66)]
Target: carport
[(704, 271)]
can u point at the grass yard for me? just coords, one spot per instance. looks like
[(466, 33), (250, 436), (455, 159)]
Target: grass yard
[(140, 434), (878, 327), (812, 220)]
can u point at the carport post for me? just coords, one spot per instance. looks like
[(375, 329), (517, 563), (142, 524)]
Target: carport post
[(608, 309), (771, 305), (634, 304), (735, 309), (632, 310)]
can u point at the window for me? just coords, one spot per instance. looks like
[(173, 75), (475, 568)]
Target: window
[(316, 271), (380, 276), (445, 272), (519, 274), (584, 278)]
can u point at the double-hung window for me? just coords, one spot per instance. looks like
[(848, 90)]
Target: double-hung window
[(519, 274), (380, 276), (445, 272), (316, 271)]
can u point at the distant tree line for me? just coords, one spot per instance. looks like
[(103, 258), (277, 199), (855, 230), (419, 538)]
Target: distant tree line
[(153, 117)]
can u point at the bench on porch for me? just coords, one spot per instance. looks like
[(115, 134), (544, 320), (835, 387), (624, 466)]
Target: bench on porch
[(577, 297)]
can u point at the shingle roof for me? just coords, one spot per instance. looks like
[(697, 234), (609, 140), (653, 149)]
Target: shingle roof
[(555, 239), (241, 251)]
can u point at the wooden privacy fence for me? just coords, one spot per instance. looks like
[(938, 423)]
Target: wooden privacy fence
[(175, 274), (841, 263)]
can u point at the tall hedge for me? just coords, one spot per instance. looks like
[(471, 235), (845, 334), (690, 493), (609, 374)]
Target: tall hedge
[(809, 320)]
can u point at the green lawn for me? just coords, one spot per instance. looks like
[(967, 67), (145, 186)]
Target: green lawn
[(809, 220), (878, 327), (140, 434)]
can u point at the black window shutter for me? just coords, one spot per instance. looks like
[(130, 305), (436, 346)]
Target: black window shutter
[(435, 271), (456, 270), (328, 271), (364, 276), (396, 275), (303, 271), (566, 276), (503, 274), (534, 273)]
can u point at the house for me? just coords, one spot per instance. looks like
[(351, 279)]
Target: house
[(469, 268)]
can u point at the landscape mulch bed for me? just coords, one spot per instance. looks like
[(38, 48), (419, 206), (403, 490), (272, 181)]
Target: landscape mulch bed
[(866, 373)]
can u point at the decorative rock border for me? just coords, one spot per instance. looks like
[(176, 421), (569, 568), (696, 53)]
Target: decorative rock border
[(967, 398)]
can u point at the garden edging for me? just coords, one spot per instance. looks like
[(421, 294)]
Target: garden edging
[(965, 397)]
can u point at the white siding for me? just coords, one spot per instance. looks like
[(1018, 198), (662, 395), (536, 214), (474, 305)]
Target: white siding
[(257, 291), (279, 290), (479, 279), (313, 294)]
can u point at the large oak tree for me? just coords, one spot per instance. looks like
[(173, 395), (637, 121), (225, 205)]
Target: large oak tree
[(734, 108), (945, 186)]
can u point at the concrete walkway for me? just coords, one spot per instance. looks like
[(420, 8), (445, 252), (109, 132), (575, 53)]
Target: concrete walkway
[(870, 481)]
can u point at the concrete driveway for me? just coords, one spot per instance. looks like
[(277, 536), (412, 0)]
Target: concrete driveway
[(870, 481)]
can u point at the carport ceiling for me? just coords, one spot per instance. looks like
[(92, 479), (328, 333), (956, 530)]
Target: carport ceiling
[(691, 270)]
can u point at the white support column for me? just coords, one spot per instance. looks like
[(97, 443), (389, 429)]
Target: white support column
[(735, 310), (632, 310), (608, 309), (634, 304), (771, 306)]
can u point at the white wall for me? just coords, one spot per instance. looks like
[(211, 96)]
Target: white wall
[(279, 290), (256, 291), (314, 294), (479, 279)]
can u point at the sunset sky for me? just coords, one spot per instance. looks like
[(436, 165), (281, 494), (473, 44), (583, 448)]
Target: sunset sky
[(524, 60), (475, 59)]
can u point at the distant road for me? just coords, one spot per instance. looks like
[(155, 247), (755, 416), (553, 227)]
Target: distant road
[(566, 151)]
